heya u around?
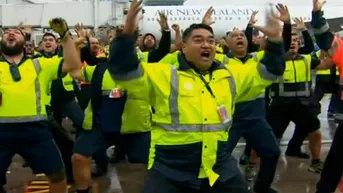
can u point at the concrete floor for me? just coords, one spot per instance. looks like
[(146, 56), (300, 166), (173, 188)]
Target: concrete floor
[(292, 175)]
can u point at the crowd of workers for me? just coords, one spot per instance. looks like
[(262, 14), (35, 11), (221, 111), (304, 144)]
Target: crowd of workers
[(173, 112)]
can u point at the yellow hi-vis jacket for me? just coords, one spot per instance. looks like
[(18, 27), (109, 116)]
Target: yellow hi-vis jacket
[(190, 121), (136, 117), (25, 100)]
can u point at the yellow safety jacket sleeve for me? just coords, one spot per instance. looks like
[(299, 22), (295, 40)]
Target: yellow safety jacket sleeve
[(170, 58), (250, 80)]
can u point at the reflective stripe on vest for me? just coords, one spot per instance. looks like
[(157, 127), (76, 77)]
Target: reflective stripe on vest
[(338, 116), (306, 92), (254, 55), (226, 59), (141, 54), (324, 72), (175, 125), (38, 116)]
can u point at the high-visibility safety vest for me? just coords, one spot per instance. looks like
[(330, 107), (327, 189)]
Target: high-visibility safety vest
[(336, 53), (106, 52), (99, 55), (296, 80), (25, 100), (324, 72), (84, 64), (171, 58), (190, 125), (111, 108), (247, 107), (219, 49), (67, 80), (142, 56)]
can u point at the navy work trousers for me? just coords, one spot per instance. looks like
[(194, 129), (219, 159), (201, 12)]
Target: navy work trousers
[(156, 182), (259, 135), (70, 109), (333, 166), (34, 142)]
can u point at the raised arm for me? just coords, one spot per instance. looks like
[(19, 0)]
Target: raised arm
[(164, 45), (123, 63), (324, 37), (270, 64), (252, 47), (178, 39), (287, 27), (71, 57)]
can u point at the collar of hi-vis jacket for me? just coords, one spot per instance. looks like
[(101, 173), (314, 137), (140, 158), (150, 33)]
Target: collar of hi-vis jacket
[(246, 58), (297, 57), (49, 55)]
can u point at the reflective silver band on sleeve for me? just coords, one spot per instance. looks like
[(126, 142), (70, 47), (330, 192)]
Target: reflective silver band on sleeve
[(265, 74), (291, 94), (232, 85), (39, 116), (175, 125), (254, 55), (262, 95), (338, 116), (106, 92), (322, 29), (141, 55), (226, 59), (135, 74)]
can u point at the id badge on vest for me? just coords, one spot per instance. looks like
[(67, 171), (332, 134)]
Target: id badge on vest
[(116, 93), (224, 115)]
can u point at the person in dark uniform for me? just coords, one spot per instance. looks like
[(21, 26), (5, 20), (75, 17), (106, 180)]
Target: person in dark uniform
[(293, 100)]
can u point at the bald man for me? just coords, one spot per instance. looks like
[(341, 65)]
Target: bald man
[(94, 46)]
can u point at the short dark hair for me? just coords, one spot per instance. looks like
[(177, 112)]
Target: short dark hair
[(187, 33), (49, 34), (255, 32)]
